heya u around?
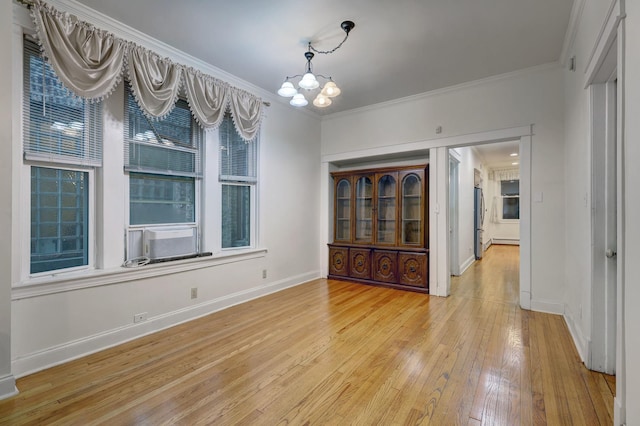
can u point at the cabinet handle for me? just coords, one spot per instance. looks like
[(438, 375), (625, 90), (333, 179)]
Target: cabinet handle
[(359, 262), (338, 262), (385, 267), (412, 269)]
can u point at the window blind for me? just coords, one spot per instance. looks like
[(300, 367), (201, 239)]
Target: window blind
[(170, 146), (238, 159), (58, 126)]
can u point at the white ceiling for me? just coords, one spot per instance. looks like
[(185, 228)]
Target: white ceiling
[(498, 155), (398, 48)]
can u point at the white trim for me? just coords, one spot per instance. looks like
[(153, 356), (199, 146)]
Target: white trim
[(445, 90), (547, 306), (582, 343), (465, 265), (605, 40), (506, 241), (525, 222), (572, 30), (501, 135), (36, 361), (62, 282), (8, 386)]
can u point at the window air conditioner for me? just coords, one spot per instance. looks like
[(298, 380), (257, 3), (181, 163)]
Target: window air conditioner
[(165, 243)]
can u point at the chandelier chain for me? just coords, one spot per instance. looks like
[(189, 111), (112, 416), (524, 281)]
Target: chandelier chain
[(327, 52)]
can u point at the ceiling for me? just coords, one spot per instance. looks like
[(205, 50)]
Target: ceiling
[(498, 155), (397, 48)]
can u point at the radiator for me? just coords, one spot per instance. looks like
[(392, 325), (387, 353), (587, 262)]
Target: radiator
[(164, 243)]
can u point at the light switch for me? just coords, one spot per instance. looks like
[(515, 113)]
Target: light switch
[(537, 197)]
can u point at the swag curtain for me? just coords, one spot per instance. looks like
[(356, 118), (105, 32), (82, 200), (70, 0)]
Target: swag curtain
[(90, 62)]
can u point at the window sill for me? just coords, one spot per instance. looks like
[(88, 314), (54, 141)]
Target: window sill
[(63, 282)]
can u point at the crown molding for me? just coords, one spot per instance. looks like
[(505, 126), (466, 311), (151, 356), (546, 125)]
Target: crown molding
[(445, 90), (572, 30)]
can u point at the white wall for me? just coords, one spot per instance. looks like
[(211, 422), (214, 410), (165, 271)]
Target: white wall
[(631, 178), (578, 215), (530, 97), (70, 316), (7, 383), (466, 228)]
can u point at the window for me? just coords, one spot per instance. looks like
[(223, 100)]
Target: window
[(62, 145), (163, 158), (238, 163), (510, 193)]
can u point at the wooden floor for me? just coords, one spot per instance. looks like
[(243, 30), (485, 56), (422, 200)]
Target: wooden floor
[(332, 352)]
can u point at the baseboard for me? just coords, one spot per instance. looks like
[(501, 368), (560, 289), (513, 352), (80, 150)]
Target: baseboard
[(8, 386), (506, 241), (580, 342), (619, 417), (547, 306), (465, 265), (56, 355)]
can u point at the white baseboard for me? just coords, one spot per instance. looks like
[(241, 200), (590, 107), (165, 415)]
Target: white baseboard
[(581, 343), (619, 416), (68, 351), (506, 241), (547, 306), (465, 265), (8, 387)]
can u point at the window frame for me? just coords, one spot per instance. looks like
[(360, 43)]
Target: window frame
[(57, 162), (198, 138), (231, 180), (501, 218), (91, 218)]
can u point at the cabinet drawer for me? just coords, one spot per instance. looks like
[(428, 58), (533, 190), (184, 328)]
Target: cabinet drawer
[(413, 269), (360, 263), (385, 265), (339, 261)]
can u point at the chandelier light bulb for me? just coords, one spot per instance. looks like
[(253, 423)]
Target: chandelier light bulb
[(330, 90), (298, 100), (322, 101), (287, 90), (309, 82)]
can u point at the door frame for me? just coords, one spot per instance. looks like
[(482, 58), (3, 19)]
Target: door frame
[(605, 63), (454, 203)]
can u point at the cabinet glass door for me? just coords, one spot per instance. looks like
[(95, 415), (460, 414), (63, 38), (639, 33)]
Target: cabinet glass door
[(343, 210), (386, 213), (411, 209), (364, 209)]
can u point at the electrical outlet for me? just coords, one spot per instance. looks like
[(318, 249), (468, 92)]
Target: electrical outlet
[(264, 273), (194, 293), (140, 317)]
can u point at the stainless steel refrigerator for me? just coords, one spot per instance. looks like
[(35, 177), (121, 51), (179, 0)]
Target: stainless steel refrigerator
[(478, 221)]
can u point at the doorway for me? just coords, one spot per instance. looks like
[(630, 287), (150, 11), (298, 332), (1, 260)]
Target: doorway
[(604, 226)]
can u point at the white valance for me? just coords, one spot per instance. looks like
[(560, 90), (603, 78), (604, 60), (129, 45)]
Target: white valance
[(90, 63), (511, 173)]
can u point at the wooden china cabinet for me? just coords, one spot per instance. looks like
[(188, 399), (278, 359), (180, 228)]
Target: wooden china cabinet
[(381, 227)]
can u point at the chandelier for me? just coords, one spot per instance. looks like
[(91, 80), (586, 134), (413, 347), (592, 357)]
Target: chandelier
[(309, 80)]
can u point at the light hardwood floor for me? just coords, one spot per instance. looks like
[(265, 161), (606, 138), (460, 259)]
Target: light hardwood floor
[(333, 352)]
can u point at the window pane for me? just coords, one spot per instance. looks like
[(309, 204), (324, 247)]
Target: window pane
[(237, 157), (511, 208), (159, 199), (57, 124), (510, 187), (59, 219), (236, 215), (169, 146)]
